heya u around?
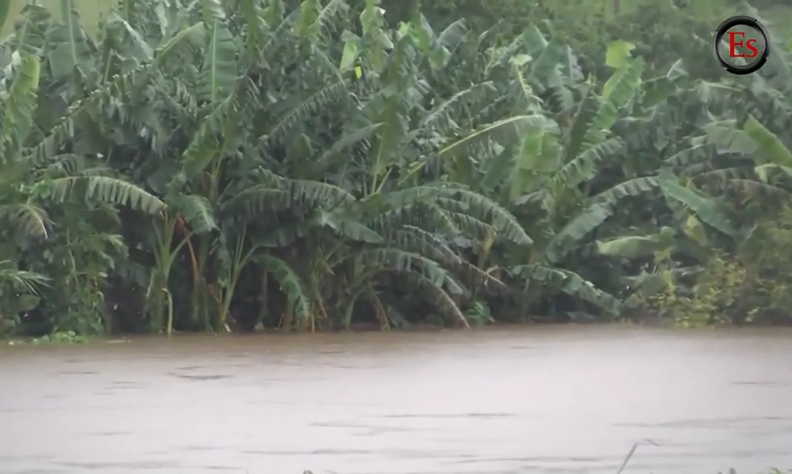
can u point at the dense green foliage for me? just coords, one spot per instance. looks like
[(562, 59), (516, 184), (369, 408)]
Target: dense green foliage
[(311, 165)]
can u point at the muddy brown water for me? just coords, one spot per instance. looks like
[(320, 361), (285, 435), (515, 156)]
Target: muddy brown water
[(531, 399)]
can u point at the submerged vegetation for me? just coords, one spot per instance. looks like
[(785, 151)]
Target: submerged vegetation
[(313, 165)]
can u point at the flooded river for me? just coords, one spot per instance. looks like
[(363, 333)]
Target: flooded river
[(531, 399)]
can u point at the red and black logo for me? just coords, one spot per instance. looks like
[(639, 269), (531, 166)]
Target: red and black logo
[(741, 45)]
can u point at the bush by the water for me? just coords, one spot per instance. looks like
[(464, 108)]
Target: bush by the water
[(323, 164)]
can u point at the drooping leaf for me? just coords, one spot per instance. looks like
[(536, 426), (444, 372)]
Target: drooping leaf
[(727, 137), (21, 280), (770, 148), (585, 166), (344, 143), (567, 282), (290, 283), (690, 156), (709, 210), (125, 38), (197, 211), (349, 227), (28, 218), (488, 210), (435, 293), (601, 208), (187, 39), (442, 114), (512, 125), (324, 97), (109, 190), (575, 230), (453, 35)]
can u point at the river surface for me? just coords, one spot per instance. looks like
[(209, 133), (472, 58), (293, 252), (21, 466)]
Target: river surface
[(529, 399)]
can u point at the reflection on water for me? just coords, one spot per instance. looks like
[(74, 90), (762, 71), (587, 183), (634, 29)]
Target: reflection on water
[(532, 399)]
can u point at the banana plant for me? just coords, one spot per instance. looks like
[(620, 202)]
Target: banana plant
[(35, 191)]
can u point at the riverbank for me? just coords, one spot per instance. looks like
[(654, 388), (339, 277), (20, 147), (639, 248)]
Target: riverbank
[(362, 329)]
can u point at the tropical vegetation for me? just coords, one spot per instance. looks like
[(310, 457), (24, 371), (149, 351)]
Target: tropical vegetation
[(318, 164)]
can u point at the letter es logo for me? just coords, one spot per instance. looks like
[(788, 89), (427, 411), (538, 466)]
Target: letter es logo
[(741, 45)]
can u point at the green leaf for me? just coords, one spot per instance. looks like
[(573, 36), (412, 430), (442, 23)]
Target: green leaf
[(197, 211), (601, 208), (690, 156), (130, 38), (288, 194), (220, 66), (539, 154), (5, 7), (727, 137), (108, 190), (514, 124), (434, 292), (709, 210), (348, 226), (486, 209), (575, 230), (580, 131), (191, 37), (351, 51), (226, 121), (27, 302), (453, 35), (27, 218), (274, 13), (567, 282), (212, 11), (632, 246), (332, 156), (442, 115), (549, 61), (19, 108), (70, 18), (585, 166), (770, 148), (21, 281), (618, 53), (327, 95), (534, 39), (31, 36), (618, 91), (255, 29), (694, 229), (290, 283), (307, 25)]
